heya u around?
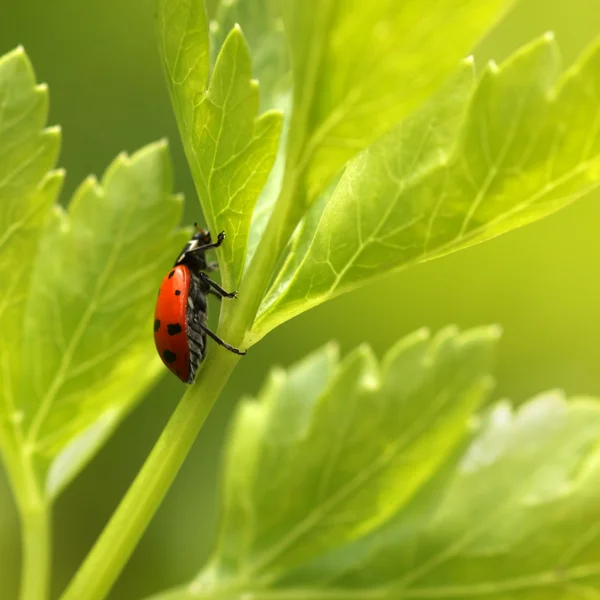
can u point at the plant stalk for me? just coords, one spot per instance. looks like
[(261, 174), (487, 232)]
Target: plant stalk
[(104, 563), (36, 540)]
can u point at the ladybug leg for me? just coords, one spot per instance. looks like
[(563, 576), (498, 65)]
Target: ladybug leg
[(219, 341), (210, 246), (213, 266), (215, 288)]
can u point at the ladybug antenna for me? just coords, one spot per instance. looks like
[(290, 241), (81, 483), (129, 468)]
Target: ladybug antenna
[(203, 232)]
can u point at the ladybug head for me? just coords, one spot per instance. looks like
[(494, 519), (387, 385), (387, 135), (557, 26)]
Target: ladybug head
[(203, 235), (192, 253)]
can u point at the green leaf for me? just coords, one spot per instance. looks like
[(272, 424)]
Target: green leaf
[(90, 309), (431, 130), (516, 518), (535, 470), (229, 148), (77, 291), (28, 187), (509, 509), (332, 449), (262, 25), (347, 94), (270, 192), (529, 145)]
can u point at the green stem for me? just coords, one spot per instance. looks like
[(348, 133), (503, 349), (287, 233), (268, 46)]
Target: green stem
[(36, 550), (104, 563)]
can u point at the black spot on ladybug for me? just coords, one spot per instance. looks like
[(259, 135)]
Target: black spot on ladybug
[(173, 328), (156, 325), (178, 292), (169, 356), (171, 273)]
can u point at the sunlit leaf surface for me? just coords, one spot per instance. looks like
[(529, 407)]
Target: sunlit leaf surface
[(78, 290), (229, 148), (347, 480), (332, 450), (262, 24), (361, 67), (28, 187), (88, 326), (529, 145)]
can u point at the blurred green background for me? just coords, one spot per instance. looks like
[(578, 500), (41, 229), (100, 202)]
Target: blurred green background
[(541, 283)]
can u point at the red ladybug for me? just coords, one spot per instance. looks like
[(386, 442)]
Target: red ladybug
[(180, 318)]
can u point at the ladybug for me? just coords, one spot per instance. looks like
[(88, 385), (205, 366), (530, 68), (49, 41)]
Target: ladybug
[(180, 318)]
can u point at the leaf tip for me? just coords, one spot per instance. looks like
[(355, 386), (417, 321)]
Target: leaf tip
[(370, 376), (332, 349), (159, 146), (492, 67), (156, 152), (234, 36), (59, 213), (420, 337), (55, 177), (495, 331), (423, 333), (53, 130), (488, 333), (90, 183), (364, 350), (17, 53), (275, 381), (122, 158)]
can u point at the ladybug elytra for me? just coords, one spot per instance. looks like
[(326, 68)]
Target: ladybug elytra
[(180, 318)]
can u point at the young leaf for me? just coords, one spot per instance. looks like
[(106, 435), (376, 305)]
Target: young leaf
[(432, 130), (331, 450), (528, 146), (229, 148), (27, 190), (361, 67), (516, 518), (509, 512), (262, 25), (89, 311), (77, 291)]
